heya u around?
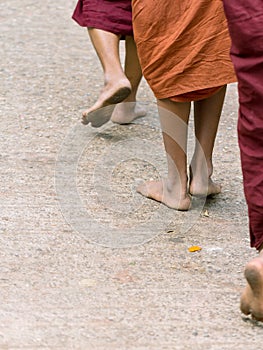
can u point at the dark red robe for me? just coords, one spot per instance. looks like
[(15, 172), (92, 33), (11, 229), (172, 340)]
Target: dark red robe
[(109, 15), (245, 21)]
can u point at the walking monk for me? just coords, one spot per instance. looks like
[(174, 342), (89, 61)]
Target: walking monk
[(245, 19), (183, 47), (108, 22)]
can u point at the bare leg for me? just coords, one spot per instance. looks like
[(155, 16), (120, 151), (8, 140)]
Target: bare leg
[(173, 190), (126, 112), (116, 85), (207, 113), (252, 297)]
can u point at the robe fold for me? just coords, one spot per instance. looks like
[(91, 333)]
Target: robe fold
[(183, 47)]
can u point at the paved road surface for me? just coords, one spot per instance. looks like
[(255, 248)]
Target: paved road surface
[(83, 277)]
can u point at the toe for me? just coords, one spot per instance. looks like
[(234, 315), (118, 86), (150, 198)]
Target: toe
[(142, 189), (84, 119)]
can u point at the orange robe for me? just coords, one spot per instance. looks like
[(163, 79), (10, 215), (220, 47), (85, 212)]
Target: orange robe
[(183, 47)]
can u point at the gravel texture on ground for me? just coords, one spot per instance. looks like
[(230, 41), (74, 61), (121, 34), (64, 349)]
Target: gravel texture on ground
[(84, 262)]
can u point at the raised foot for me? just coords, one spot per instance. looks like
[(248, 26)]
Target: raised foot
[(97, 115), (158, 190), (252, 297), (127, 112)]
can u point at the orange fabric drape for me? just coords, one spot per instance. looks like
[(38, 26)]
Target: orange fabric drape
[(183, 46)]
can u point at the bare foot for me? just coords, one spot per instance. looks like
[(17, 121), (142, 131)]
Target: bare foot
[(204, 189), (199, 186), (158, 190), (127, 112), (110, 95), (252, 297)]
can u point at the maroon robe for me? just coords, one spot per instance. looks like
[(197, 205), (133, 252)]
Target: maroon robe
[(245, 21), (109, 15)]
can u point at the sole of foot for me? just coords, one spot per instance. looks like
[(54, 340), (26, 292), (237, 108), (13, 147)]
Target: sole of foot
[(252, 297), (101, 112)]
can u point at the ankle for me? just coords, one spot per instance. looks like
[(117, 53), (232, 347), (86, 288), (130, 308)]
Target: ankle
[(202, 169), (115, 79), (131, 98), (177, 186)]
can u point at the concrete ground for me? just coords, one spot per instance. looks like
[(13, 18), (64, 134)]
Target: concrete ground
[(85, 262)]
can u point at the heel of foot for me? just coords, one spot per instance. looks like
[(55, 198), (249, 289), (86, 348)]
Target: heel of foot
[(254, 275)]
